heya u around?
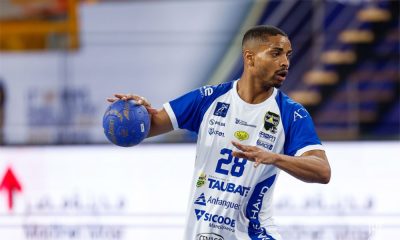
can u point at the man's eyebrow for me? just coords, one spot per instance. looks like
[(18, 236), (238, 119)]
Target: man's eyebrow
[(281, 50)]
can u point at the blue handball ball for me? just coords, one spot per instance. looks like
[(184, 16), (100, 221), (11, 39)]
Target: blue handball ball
[(126, 123)]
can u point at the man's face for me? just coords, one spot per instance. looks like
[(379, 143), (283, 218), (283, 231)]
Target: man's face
[(271, 60)]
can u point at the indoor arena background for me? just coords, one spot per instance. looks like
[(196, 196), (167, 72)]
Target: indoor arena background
[(60, 59)]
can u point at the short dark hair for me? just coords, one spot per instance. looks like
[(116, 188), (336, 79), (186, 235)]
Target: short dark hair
[(258, 32)]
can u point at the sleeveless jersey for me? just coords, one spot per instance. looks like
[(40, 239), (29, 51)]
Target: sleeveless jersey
[(230, 199)]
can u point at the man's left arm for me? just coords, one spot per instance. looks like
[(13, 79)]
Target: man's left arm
[(311, 166)]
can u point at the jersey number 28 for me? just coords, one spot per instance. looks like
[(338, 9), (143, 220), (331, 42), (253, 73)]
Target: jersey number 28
[(237, 167)]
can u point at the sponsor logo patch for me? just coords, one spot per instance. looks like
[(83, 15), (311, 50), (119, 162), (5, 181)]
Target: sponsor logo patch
[(243, 123), (267, 136), (241, 135), (206, 91), (271, 122), (213, 122), (221, 109), (228, 187), (213, 131), (201, 200), (199, 213), (201, 180), (208, 236), (264, 144), (214, 218)]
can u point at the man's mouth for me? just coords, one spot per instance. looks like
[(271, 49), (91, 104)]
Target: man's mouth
[(281, 74)]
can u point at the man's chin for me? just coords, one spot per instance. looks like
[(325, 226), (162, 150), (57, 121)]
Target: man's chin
[(272, 83)]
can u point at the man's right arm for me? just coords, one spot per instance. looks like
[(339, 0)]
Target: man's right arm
[(160, 123)]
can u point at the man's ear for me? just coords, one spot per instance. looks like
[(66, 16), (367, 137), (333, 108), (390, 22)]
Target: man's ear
[(248, 57)]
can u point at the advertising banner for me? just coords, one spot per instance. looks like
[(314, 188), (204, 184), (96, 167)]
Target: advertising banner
[(108, 192)]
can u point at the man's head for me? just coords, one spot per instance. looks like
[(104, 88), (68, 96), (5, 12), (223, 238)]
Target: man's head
[(266, 51)]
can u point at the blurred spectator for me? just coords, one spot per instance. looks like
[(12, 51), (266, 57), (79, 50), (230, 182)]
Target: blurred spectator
[(2, 109)]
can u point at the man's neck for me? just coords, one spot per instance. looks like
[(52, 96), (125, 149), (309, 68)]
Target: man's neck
[(252, 91)]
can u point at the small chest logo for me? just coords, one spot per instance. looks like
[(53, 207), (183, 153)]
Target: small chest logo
[(222, 109), (206, 91), (241, 135), (209, 236), (201, 200), (201, 180), (271, 122)]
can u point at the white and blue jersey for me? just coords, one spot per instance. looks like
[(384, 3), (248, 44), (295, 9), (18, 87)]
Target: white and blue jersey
[(230, 199)]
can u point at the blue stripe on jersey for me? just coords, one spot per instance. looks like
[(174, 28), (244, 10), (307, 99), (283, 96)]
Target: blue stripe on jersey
[(190, 108), (297, 124), (255, 231)]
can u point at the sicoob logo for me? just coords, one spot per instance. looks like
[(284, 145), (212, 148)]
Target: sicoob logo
[(208, 217), (221, 109), (209, 236)]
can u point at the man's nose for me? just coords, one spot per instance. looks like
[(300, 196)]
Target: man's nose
[(285, 62)]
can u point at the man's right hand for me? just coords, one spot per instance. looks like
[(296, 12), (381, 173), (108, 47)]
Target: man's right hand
[(160, 121), (139, 100)]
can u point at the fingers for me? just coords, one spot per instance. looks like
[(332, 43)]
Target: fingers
[(152, 110), (240, 154), (127, 97), (241, 146), (139, 100), (247, 152), (247, 155), (244, 148), (143, 101)]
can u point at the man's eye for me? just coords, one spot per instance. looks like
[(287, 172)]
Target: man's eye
[(275, 54)]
